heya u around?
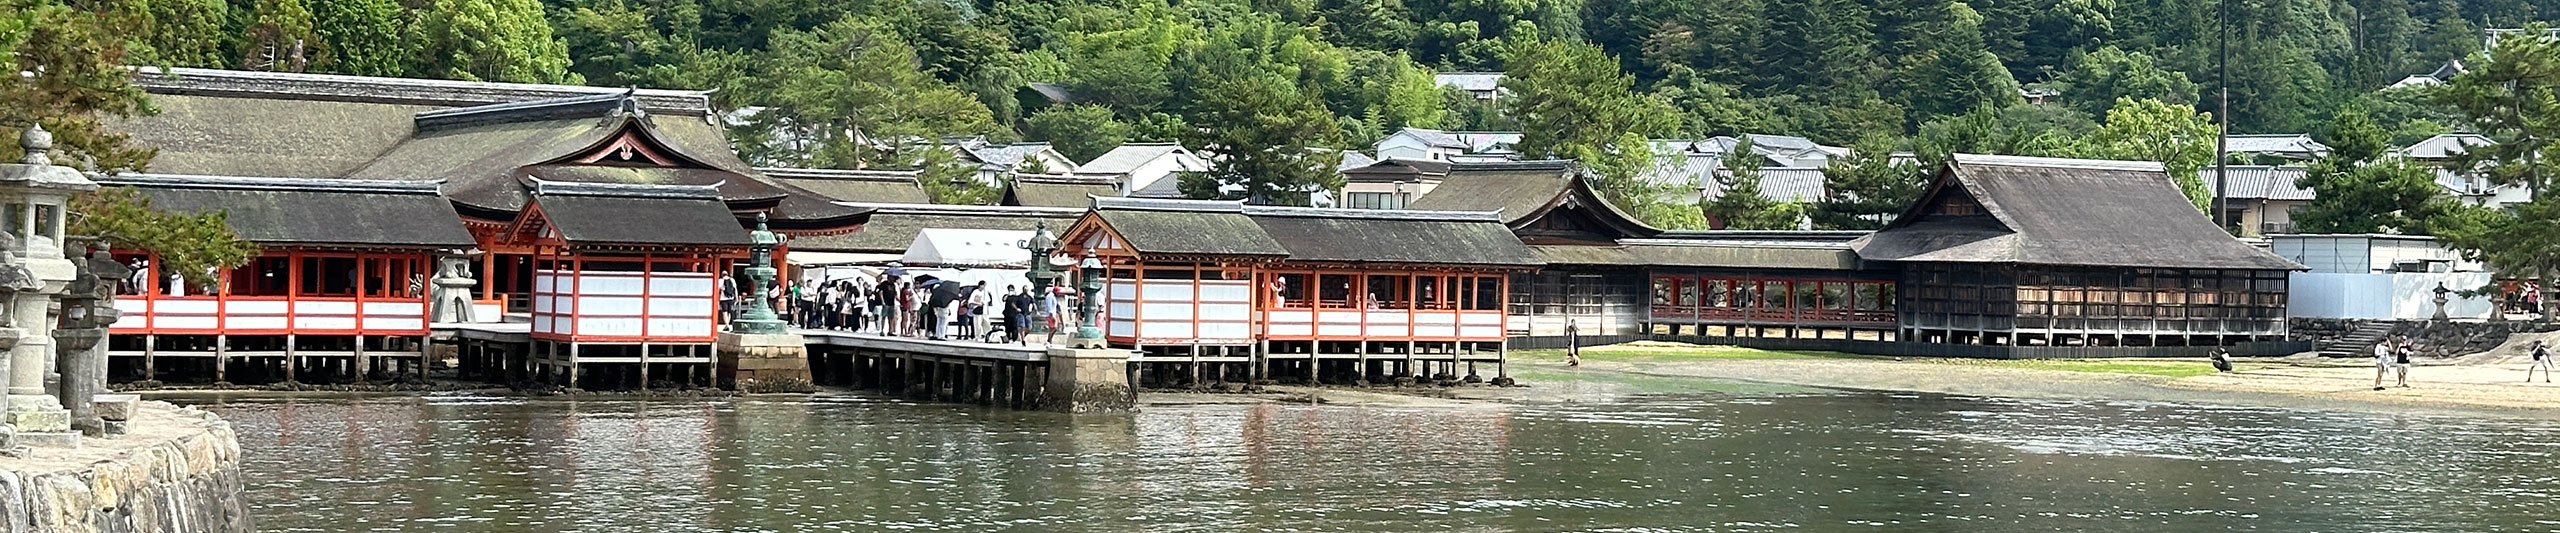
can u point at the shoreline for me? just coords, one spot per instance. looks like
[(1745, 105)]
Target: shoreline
[(2470, 386)]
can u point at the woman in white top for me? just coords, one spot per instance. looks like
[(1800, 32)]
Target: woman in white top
[(2382, 358)]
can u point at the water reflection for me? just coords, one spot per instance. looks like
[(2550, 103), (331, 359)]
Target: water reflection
[(1745, 461)]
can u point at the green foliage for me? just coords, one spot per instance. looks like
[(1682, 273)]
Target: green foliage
[(1742, 206), (195, 246), (853, 87), (1569, 97), (1267, 130), (1868, 189), (1617, 174), (2510, 97), (72, 77), (488, 40), (362, 37), (947, 181), (1954, 73), (2358, 189), (1081, 132), (2109, 74), (2176, 136), (281, 38), (2015, 130)]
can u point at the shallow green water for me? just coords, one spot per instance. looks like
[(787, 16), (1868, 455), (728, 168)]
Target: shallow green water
[(1746, 460)]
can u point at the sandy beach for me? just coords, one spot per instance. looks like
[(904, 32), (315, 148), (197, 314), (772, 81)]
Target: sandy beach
[(2490, 383)]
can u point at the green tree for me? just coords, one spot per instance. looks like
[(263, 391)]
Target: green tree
[(488, 40), (2109, 74), (2510, 96), (1868, 189), (1569, 97), (281, 38), (195, 245), (2359, 189), (1617, 174), (1742, 206), (72, 77), (1265, 132), (1954, 73), (854, 89), (363, 37), (610, 42), (1080, 132), (2176, 136), (947, 181), (2016, 130), (177, 33)]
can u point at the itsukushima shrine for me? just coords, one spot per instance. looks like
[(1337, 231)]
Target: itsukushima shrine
[(579, 235)]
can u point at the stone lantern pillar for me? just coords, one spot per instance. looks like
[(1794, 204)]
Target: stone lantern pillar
[(1042, 245), (759, 353), (33, 201), (88, 309)]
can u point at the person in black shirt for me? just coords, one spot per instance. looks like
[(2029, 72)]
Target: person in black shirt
[(1017, 313)]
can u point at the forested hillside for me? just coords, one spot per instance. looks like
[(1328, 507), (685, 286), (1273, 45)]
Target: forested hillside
[(1834, 70)]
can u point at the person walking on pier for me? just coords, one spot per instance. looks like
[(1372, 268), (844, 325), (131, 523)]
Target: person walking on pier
[(728, 299), (2541, 360), (1017, 313)]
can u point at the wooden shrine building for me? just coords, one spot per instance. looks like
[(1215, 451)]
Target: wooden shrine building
[(339, 286), (1238, 292), (2023, 251), (598, 220)]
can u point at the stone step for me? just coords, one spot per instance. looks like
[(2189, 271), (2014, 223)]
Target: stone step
[(116, 407)]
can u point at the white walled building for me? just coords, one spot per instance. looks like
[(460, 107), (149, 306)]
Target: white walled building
[(2380, 277)]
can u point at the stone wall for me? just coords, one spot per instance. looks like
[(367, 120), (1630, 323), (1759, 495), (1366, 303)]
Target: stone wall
[(177, 471)]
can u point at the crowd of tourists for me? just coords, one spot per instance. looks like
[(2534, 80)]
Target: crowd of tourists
[(919, 306)]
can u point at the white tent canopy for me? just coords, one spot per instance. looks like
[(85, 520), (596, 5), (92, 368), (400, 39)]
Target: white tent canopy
[(968, 248)]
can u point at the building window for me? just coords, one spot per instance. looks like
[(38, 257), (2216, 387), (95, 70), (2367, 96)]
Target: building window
[(1373, 200)]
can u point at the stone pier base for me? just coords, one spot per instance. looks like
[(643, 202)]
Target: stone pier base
[(764, 363), (178, 471), (1087, 381)]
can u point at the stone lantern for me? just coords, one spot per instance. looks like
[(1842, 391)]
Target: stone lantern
[(33, 202), (1088, 333), (1042, 245), (88, 309)]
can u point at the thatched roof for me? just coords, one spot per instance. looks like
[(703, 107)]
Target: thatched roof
[(1186, 227), (1527, 193), (1058, 190), (311, 212), (2062, 212), (590, 214), (1388, 236), (859, 186)]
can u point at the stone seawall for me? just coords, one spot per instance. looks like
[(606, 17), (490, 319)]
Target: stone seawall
[(178, 471)]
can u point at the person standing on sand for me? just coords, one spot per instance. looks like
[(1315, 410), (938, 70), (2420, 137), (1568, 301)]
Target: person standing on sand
[(2400, 359), (2381, 362), (2541, 360)]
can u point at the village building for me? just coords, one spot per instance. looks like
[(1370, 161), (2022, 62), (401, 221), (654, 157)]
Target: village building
[(2260, 200), (998, 162), (1484, 86), (1390, 184), (1144, 169), (2276, 148)]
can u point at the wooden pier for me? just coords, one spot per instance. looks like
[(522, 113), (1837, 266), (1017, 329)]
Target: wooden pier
[(1019, 376)]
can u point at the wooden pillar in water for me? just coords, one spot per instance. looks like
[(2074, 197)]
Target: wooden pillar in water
[(363, 363), (221, 358)]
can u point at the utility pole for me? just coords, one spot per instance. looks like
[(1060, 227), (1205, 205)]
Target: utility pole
[(2222, 133)]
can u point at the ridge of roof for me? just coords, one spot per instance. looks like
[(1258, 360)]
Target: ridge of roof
[(1167, 204), (975, 210), (2058, 162), (542, 187), (838, 174), (1374, 214), (1064, 179), (258, 183), (589, 106), (409, 91), (1537, 164)]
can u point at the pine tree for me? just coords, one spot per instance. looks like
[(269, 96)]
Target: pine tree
[(1742, 206), (488, 40), (362, 37)]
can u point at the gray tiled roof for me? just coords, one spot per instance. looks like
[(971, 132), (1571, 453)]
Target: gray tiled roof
[(1469, 81), (2261, 182), (1127, 157)]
